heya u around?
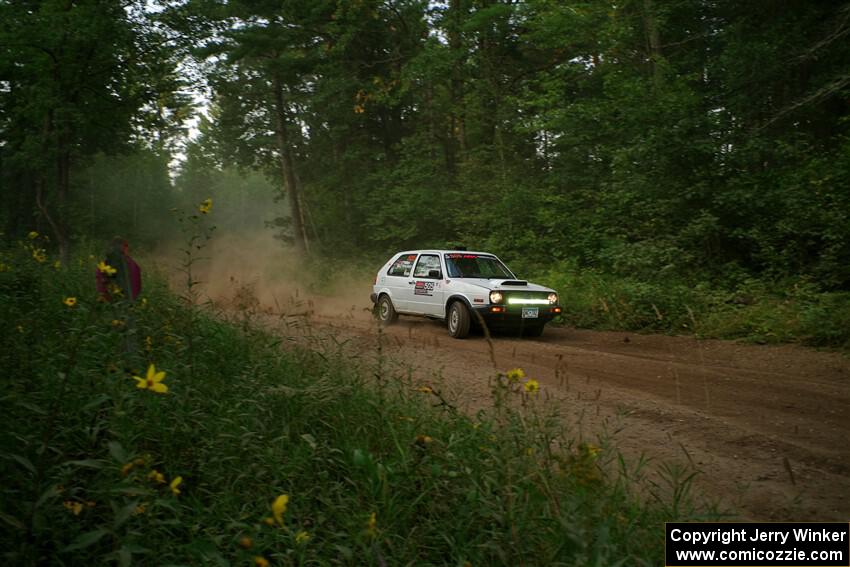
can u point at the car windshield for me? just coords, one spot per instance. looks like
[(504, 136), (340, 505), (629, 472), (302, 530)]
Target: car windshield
[(476, 266)]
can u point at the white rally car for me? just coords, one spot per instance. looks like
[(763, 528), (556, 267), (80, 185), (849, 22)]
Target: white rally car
[(462, 288)]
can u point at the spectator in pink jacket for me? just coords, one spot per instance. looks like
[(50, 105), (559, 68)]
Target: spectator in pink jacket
[(118, 276)]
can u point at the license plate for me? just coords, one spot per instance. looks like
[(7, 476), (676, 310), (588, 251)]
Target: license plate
[(529, 312)]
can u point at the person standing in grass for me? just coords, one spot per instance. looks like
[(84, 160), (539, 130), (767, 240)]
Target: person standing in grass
[(118, 276), (119, 282)]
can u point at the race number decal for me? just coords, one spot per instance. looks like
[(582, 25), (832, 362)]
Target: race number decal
[(424, 288)]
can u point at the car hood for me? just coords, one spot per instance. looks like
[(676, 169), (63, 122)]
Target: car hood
[(504, 285)]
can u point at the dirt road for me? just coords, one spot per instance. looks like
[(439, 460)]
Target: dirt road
[(767, 427)]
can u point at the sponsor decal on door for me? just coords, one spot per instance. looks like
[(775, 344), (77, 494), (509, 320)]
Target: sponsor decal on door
[(424, 288)]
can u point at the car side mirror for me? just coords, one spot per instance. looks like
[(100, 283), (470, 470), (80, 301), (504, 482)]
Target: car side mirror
[(434, 274)]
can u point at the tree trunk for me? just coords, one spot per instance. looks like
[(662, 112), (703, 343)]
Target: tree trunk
[(456, 141), (63, 184), (653, 38), (59, 228), (287, 171), (63, 235)]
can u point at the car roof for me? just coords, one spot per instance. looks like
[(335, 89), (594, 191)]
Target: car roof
[(431, 251)]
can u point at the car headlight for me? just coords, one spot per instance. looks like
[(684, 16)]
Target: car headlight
[(553, 298), (496, 297)]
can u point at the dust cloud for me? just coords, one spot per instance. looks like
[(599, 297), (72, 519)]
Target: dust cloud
[(254, 270)]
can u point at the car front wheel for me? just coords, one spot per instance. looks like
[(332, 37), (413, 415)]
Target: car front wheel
[(458, 320), (386, 312)]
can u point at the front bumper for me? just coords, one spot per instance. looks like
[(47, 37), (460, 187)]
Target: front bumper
[(511, 316)]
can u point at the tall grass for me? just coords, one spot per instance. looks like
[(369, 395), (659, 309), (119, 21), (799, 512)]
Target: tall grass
[(753, 310), (376, 469)]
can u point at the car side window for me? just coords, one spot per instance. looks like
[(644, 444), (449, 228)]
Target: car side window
[(402, 266), (427, 263)]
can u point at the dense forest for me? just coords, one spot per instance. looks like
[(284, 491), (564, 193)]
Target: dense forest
[(668, 166), (681, 140)]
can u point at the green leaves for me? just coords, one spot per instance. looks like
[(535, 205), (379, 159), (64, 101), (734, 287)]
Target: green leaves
[(86, 540)]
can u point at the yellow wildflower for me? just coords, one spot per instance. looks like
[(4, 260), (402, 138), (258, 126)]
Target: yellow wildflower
[(205, 207), (115, 290), (70, 301), (57, 264), (268, 521), (515, 375), (174, 484), (32, 235), (372, 525), (139, 510), (529, 451), (261, 561), (425, 390), (532, 386), (40, 255), (21, 329), (246, 543), (117, 323), (125, 470), (590, 450), (148, 343), (279, 508), (105, 268), (424, 439), (156, 476), (153, 381), (74, 507), (302, 537)]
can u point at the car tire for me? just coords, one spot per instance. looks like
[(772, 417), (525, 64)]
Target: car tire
[(532, 331), (458, 320), (385, 311)]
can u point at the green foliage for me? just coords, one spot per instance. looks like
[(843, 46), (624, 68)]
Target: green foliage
[(243, 200), (738, 308), (80, 79), (128, 195), (402, 211)]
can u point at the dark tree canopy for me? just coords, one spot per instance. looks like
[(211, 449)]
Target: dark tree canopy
[(683, 138)]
